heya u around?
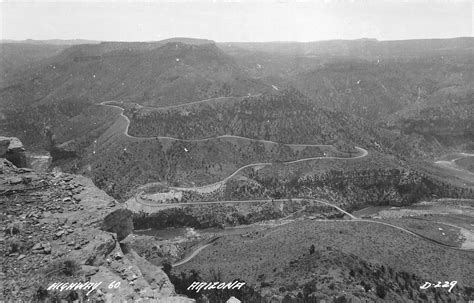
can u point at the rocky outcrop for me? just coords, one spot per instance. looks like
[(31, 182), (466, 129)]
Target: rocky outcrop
[(52, 234), (119, 222), (12, 149), (136, 279)]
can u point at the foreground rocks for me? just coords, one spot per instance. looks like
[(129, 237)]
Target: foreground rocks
[(120, 222), (12, 149), (53, 232)]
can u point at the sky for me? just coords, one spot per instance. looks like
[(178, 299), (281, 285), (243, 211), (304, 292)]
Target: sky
[(236, 21)]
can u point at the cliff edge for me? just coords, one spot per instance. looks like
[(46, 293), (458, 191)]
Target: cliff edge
[(56, 245)]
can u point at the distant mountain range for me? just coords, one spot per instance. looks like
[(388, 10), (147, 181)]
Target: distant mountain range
[(395, 87), (85, 41), (51, 41), (360, 48)]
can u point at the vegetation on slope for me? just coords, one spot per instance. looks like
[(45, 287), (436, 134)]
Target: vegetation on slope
[(286, 117), (119, 164), (351, 184), (154, 74), (282, 258), (322, 274)]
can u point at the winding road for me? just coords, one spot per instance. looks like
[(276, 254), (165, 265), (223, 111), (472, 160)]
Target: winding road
[(353, 220), (362, 153), (356, 220), (451, 164), (192, 255), (127, 126)]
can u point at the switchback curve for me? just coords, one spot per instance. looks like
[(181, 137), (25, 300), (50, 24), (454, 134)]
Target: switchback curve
[(362, 152)]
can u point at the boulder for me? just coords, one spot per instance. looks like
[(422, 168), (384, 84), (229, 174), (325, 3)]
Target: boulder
[(47, 248), (88, 270), (37, 246), (12, 149), (14, 228), (120, 222), (6, 167)]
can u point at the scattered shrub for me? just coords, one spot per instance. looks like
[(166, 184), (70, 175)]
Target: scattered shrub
[(70, 267), (167, 267), (381, 291), (41, 294)]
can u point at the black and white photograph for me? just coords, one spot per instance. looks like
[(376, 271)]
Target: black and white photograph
[(237, 151)]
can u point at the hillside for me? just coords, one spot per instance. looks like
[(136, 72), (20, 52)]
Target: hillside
[(202, 157), (192, 161), (385, 86), (119, 164), (285, 116), (445, 119), (352, 184), (16, 58), (278, 263), (150, 73), (379, 81)]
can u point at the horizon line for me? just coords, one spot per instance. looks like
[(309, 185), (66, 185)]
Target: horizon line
[(10, 40)]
